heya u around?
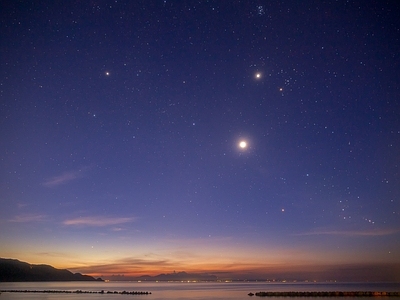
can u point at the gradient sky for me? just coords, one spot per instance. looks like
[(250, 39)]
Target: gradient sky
[(121, 123)]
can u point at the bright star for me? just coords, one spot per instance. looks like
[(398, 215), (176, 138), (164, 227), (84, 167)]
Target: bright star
[(243, 144), (258, 75), (107, 73)]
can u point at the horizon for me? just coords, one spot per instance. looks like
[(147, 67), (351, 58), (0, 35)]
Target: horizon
[(237, 138), (321, 273)]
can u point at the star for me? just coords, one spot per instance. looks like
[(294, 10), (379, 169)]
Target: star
[(107, 73), (258, 75)]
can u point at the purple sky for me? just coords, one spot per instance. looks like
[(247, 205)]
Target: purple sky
[(121, 124)]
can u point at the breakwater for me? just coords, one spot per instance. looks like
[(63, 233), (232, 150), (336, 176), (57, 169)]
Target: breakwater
[(77, 292), (327, 294)]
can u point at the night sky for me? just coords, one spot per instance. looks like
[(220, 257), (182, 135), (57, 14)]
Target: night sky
[(121, 130)]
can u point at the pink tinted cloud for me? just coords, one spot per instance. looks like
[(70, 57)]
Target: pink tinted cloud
[(26, 218), (63, 178), (97, 221)]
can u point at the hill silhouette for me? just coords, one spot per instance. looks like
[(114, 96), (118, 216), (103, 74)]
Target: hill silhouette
[(13, 270)]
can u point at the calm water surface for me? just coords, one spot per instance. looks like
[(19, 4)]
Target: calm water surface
[(183, 291)]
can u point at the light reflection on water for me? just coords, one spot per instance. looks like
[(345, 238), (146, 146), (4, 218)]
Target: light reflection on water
[(181, 291)]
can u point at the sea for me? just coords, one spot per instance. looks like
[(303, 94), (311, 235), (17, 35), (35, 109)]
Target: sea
[(182, 290)]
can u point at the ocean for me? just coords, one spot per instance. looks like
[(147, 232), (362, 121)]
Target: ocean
[(182, 290)]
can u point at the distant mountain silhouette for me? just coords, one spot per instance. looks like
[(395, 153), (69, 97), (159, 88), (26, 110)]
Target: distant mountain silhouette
[(15, 270), (183, 276), (176, 276)]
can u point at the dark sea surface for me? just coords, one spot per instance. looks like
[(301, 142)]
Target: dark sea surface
[(185, 290)]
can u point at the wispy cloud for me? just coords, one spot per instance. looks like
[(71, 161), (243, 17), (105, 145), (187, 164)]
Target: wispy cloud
[(27, 218), (350, 233), (127, 266), (97, 221), (116, 229), (64, 178), (53, 254), (22, 205)]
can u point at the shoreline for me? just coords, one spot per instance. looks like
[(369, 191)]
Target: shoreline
[(77, 292), (327, 294)]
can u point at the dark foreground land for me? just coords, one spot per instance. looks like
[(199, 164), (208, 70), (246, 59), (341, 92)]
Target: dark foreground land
[(326, 294), (12, 270), (76, 292)]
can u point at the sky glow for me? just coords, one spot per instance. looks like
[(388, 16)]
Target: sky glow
[(241, 139)]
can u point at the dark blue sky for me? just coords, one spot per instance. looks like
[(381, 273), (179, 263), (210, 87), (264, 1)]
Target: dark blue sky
[(121, 123)]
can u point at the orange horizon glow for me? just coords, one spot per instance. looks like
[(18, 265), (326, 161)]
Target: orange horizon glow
[(294, 270), (105, 255), (306, 272)]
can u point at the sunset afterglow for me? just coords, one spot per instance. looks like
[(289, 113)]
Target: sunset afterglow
[(239, 139)]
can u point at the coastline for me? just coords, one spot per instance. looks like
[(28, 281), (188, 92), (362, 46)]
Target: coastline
[(75, 292), (187, 290), (328, 294)]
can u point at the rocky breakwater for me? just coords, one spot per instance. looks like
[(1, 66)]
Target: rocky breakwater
[(77, 292), (327, 294)]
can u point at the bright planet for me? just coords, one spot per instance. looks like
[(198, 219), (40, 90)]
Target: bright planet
[(242, 144)]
